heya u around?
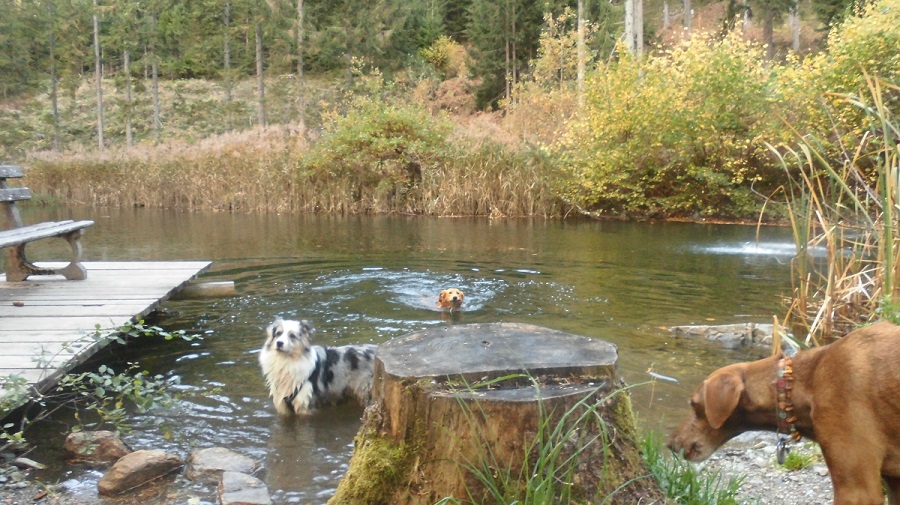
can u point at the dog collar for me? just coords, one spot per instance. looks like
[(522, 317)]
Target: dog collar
[(784, 407)]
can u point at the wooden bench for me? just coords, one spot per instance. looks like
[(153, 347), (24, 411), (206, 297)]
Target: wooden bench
[(16, 235)]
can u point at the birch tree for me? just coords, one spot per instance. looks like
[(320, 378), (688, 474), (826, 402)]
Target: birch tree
[(98, 74), (301, 83)]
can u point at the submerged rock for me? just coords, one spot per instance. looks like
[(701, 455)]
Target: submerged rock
[(95, 446), (209, 464), (732, 336), (241, 489), (137, 469)]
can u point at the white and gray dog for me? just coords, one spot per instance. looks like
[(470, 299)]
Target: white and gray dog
[(302, 376)]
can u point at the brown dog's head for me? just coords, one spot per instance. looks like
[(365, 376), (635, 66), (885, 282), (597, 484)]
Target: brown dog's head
[(450, 299), (715, 419)]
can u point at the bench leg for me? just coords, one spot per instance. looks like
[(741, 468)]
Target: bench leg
[(18, 267), (74, 271)]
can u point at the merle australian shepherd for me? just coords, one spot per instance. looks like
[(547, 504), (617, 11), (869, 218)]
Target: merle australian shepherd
[(302, 376)]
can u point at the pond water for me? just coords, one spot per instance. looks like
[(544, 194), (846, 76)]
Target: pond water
[(369, 279)]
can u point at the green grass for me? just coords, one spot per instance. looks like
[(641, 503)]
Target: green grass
[(682, 482)]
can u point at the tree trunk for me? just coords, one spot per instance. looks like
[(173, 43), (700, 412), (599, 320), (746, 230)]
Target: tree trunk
[(126, 63), (451, 402), (154, 75), (98, 75), (748, 19), (54, 90), (226, 54), (769, 33), (795, 28), (301, 83), (639, 26), (506, 44), (260, 81), (629, 25), (515, 60), (582, 55), (157, 113), (665, 15), (687, 15)]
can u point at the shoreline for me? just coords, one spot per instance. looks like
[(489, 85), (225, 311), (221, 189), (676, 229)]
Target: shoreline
[(750, 456)]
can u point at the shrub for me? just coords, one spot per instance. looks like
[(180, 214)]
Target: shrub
[(812, 91), (447, 56), (674, 134), (375, 154)]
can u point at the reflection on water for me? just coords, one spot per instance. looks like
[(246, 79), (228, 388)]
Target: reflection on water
[(369, 279)]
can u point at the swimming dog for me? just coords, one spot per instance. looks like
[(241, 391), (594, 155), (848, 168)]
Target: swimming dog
[(302, 376), (450, 299)]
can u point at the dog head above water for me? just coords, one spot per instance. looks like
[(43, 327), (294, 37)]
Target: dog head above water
[(288, 336), (450, 299)]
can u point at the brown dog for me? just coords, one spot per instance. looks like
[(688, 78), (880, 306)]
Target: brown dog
[(450, 299), (845, 396)]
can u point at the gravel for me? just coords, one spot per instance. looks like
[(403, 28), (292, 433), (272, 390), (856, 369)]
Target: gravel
[(752, 456)]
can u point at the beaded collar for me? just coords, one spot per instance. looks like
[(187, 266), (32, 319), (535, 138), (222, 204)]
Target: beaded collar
[(784, 407)]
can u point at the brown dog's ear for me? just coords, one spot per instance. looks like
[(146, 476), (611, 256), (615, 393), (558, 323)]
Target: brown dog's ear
[(721, 394), (441, 297)]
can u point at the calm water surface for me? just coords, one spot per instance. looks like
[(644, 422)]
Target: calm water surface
[(369, 279)]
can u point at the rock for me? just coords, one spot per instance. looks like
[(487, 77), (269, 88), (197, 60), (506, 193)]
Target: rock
[(236, 488), (732, 336), (137, 469), (95, 446), (208, 464), (28, 463)]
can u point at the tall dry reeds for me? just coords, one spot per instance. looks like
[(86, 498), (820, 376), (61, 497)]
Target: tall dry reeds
[(270, 170), (246, 171), (844, 217)]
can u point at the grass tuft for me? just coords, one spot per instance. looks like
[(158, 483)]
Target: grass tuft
[(682, 482)]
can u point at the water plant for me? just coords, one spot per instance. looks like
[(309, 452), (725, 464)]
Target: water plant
[(845, 210), (97, 398)]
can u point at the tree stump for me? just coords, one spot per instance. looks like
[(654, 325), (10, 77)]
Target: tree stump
[(507, 401)]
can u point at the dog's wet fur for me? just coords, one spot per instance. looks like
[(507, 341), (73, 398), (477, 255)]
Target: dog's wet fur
[(302, 377), (451, 298)]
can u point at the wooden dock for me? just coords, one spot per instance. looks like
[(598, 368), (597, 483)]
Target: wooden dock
[(46, 322)]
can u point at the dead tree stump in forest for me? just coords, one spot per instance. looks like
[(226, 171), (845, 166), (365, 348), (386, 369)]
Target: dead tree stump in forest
[(453, 401)]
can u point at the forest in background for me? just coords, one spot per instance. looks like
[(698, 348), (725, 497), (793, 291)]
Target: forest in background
[(430, 107)]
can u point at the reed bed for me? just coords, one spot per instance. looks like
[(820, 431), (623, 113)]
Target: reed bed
[(844, 217), (269, 170)]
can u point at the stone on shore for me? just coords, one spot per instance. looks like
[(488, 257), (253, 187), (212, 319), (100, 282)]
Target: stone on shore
[(137, 469), (28, 464), (237, 488), (209, 464), (95, 446)]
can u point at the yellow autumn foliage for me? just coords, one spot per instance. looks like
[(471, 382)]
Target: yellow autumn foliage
[(683, 131)]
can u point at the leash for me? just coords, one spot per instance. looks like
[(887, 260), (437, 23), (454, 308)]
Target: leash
[(784, 408)]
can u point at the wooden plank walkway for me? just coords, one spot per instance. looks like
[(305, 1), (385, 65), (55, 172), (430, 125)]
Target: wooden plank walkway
[(46, 321)]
